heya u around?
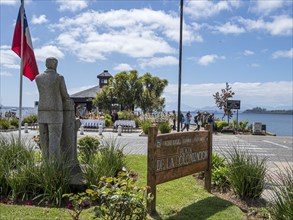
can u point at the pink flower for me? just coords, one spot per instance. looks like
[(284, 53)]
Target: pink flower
[(30, 203)]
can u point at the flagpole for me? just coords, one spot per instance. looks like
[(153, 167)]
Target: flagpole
[(21, 70), (180, 67)]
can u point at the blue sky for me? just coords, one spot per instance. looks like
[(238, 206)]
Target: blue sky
[(245, 43)]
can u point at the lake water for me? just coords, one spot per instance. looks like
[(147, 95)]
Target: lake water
[(279, 124)]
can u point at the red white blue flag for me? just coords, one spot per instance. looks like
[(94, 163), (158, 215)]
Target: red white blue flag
[(30, 68)]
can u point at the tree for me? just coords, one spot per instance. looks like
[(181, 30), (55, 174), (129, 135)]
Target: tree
[(103, 99), (127, 89), (153, 88), (131, 91), (221, 100)]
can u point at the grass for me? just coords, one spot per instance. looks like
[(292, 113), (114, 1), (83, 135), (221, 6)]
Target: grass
[(179, 199), (184, 198)]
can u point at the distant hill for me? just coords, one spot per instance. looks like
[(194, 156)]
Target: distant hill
[(258, 110)]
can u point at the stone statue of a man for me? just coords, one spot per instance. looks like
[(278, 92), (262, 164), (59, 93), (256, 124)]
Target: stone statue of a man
[(52, 95)]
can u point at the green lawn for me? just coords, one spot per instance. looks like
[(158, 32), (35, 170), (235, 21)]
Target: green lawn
[(179, 199), (184, 198)]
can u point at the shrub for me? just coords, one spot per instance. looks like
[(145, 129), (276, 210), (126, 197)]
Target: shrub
[(119, 198), (30, 119), (246, 173), (137, 122), (220, 125), (145, 126), (16, 166), (87, 146), (108, 120), (55, 179), (107, 162), (14, 122), (282, 181), (242, 125), (219, 172), (164, 127), (4, 124)]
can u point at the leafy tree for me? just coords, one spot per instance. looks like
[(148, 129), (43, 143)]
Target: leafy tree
[(127, 89), (153, 88), (221, 100), (131, 91), (103, 98)]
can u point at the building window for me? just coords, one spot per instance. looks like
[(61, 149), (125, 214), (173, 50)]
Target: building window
[(105, 81)]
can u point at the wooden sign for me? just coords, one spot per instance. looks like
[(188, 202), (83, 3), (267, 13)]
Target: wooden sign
[(172, 156)]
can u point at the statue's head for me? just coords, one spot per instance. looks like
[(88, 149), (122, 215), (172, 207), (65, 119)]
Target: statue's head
[(51, 63)]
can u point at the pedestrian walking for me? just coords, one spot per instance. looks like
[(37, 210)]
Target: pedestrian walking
[(187, 120)]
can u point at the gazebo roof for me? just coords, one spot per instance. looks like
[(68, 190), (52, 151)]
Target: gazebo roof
[(88, 93), (104, 74)]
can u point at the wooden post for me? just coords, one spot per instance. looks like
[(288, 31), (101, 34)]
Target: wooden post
[(151, 172), (208, 172)]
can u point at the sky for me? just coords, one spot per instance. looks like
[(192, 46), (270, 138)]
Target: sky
[(245, 43)]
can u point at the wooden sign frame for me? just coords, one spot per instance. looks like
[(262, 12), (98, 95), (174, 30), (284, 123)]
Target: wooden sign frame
[(172, 156)]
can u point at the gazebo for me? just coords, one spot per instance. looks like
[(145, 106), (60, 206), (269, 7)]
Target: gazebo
[(84, 98)]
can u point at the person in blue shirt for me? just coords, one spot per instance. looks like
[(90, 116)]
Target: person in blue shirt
[(187, 120)]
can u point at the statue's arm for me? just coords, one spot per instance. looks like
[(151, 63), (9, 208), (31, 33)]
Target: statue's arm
[(63, 89)]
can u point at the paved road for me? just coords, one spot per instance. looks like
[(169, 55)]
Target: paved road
[(277, 149)]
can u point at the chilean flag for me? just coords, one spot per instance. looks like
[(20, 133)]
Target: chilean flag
[(30, 68)]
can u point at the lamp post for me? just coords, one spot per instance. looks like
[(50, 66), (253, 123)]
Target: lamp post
[(111, 99)]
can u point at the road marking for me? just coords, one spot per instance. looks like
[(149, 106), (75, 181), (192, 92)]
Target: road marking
[(280, 145)]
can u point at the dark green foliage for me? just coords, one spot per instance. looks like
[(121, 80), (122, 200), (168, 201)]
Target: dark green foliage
[(119, 198), (4, 124), (87, 146), (219, 172), (246, 173), (164, 127), (14, 160), (55, 179), (14, 122), (282, 182), (78, 202), (108, 161), (108, 120)]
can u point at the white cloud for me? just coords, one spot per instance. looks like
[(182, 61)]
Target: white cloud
[(254, 65), (73, 6), (48, 51), (9, 59), (204, 9), (283, 54), (39, 20), (266, 7), (123, 67), (9, 2), (138, 33), (158, 61), (278, 26), (229, 28), (260, 94), (208, 59), (5, 73), (248, 53)]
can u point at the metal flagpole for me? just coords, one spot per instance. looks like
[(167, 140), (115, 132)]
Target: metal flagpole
[(21, 70), (180, 65)]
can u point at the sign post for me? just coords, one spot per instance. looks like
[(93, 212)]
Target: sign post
[(234, 104), (172, 156)]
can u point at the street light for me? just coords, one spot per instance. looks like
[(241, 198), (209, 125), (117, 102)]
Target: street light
[(111, 98)]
